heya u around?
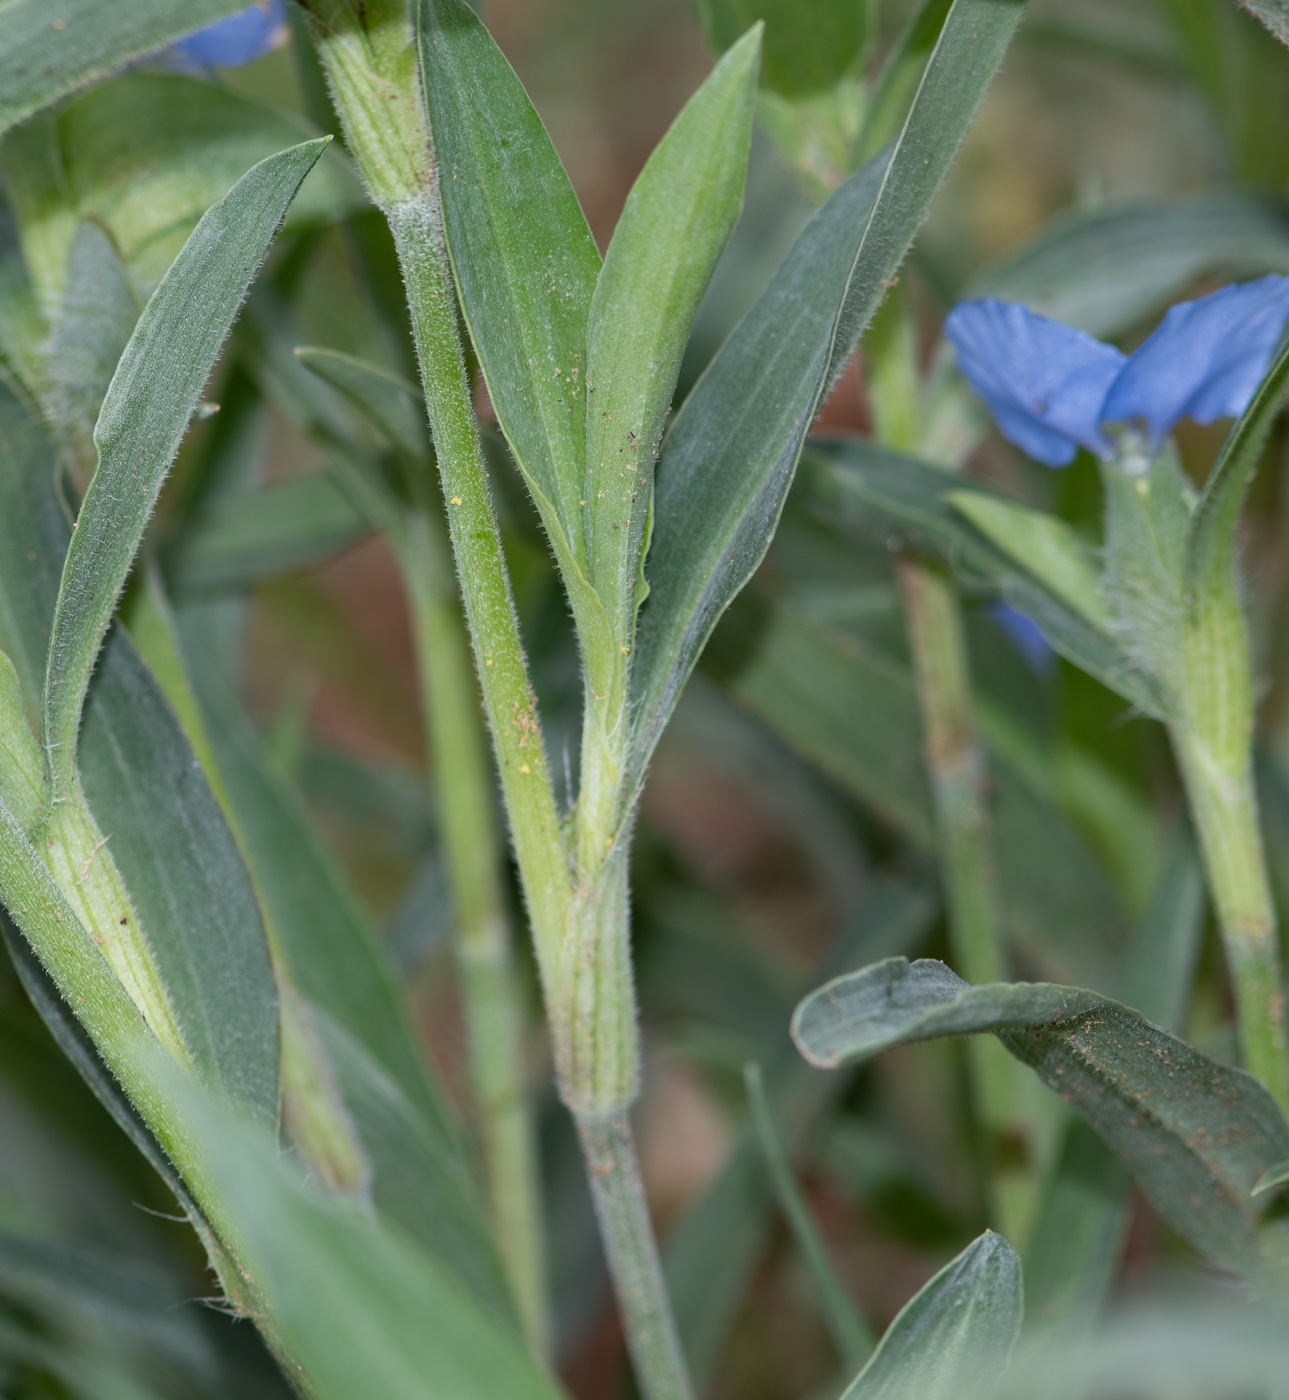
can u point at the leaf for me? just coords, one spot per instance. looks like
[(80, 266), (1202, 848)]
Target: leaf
[(799, 58), (360, 1310), (98, 312), (391, 403), (1108, 271), (1273, 13), (145, 156), (677, 220), (889, 497), (1209, 569), (186, 879), (144, 417), (897, 82), (253, 535), (22, 786), (731, 455), (523, 258), (44, 58), (955, 1337), (1195, 1134)]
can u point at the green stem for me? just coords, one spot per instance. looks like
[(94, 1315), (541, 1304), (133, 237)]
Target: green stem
[(632, 1255), (490, 988), (1224, 805), (954, 762), (580, 934)]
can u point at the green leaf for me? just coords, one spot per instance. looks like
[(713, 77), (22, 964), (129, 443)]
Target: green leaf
[(800, 57), (361, 1310), (955, 1337), (186, 879), (1195, 1134), (97, 315), (523, 258), (1106, 272), (1209, 568), (731, 455), (897, 82), (886, 497), (391, 403), (22, 787), (253, 535), (146, 155), (677, 220), (47, 54), (144, 417)]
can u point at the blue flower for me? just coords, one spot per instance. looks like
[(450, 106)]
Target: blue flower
[(231, 42), (1052, 389)]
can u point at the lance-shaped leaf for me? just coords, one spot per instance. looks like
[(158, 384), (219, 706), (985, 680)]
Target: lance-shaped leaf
[(1273, 13), (731, 456), (523, 258), (954, 1338), (392, 404), (1033, 560), (678, 218), (48, 52), (1197, 1135), (800, 59), (146, 412)]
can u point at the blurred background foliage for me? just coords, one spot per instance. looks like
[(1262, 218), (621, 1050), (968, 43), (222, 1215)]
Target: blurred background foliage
[(786, 828)]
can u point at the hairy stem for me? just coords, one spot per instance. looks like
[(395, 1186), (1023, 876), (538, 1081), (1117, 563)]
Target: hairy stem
[(490, 989), (632, 1255)]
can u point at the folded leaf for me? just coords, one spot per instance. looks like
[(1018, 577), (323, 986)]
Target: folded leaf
[(1195, 1134), (955, 1337)]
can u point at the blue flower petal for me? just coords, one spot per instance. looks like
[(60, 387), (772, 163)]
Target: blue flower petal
[(1025, 635), (231, 42), (1204, 361), (1044, 382)]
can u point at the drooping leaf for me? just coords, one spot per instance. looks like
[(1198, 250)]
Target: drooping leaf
[(523, 257), (144, 417), (45, 56), (953, 1340), (1195, 1134), (731, 456), (800, 59), (677, 220)]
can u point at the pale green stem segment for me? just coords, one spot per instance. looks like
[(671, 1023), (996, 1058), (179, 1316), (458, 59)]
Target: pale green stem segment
[(377, 94), (485, 956), (954, 763), (620, 1208), (850, 1333), (1213, 738)]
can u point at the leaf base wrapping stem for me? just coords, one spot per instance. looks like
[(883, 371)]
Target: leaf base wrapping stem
[(614, 1173)]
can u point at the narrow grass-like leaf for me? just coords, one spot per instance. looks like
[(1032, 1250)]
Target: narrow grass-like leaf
[(1195, 1134), (144, 417), (731, 456), (897, 82), (48, 53), (677, 220), (1210, 539), (523, 257), (953, 1340)]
